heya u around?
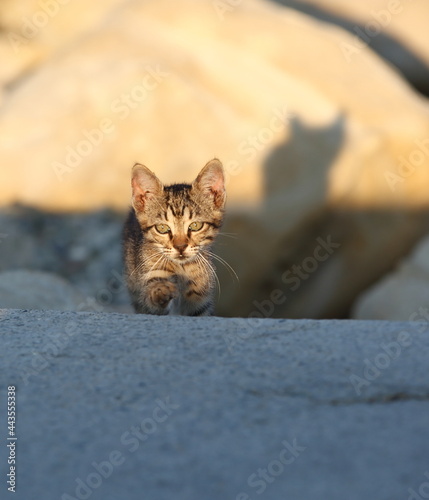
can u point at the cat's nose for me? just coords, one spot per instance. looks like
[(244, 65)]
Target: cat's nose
[(181, 248)]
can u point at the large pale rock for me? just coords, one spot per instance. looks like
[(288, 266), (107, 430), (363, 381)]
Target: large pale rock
[(401, 295), (38, 290), (33, 31), (397, 30), (317, 151)]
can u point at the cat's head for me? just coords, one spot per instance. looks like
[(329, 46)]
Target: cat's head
[(181, 220)]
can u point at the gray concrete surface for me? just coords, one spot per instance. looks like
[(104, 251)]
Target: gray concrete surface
[(131, 407)]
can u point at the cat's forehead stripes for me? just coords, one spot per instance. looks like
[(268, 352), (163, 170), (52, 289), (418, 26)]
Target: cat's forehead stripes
[(171, 214), (180, 205), (178, 197), (180, 223)]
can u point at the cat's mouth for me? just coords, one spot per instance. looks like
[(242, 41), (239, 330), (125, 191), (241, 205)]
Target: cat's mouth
[(183, 258), (183, 255)]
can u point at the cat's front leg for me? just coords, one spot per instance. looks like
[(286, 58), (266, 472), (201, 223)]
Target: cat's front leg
[(159, 293)]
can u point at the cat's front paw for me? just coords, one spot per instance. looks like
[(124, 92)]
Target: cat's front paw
[(161, 293)]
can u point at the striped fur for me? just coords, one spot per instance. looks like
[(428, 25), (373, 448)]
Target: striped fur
[(171, 272)]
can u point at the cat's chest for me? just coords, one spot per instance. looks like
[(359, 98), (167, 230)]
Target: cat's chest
[(187, 277)]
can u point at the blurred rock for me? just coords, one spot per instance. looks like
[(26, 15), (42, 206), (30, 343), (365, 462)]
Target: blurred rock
[(402, 295), (33, 31), (38, 290), (132, 84), (84, 249), (319, 151), (396, 30)]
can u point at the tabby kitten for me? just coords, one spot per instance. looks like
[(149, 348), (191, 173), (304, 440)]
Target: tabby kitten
[(167, 239)]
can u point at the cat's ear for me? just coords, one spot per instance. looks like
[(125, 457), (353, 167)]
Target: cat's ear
[(145, 185), (211, 182)]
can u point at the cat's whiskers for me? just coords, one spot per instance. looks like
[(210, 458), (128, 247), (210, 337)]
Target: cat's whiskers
[(141, 266), (202, 266), (228, 235), (152, 256), (212, 269), (225, 263), (163, 259)]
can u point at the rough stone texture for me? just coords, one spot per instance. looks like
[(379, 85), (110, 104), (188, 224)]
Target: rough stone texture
[(236, 391), (315, 146), (402, 295)]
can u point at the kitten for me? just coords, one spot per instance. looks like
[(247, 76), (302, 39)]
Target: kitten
[(167, 239)]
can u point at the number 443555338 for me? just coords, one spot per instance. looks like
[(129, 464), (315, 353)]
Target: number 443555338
[(11, 410)]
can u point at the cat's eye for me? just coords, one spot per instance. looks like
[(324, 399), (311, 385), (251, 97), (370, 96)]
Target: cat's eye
[(162, 228), (196, 226)]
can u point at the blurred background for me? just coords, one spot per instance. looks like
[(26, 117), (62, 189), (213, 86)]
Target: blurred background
[(318, 110)]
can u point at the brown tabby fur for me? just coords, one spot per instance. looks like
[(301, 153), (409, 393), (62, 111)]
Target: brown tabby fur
[(173, 273)]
